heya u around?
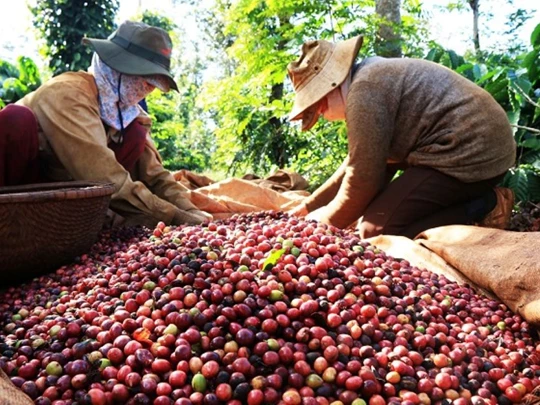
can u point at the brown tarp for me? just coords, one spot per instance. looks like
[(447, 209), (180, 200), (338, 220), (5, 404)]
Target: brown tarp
[(281, 191), (281, 180), (192, 180), (11, 395), (502, 264), (421, 257)]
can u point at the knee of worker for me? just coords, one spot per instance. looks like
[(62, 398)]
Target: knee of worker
[(367, 229), (18, 118)]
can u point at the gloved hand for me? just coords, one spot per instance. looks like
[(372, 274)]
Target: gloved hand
[(113, 220), (191, 217)]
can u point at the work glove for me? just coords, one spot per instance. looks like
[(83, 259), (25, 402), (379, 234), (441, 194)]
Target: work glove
[(113, 220)]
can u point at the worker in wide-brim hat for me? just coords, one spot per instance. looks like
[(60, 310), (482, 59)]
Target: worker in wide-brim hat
[(451, 138), (90, 126)]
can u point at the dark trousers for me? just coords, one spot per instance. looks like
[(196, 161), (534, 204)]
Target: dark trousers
[(130, 150), (19, 146), (423, 198)]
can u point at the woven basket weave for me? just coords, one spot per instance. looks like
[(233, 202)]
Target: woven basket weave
[(43, 226)]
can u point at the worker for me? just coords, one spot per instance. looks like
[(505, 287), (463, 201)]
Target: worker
[(451, 139), (89, 126)]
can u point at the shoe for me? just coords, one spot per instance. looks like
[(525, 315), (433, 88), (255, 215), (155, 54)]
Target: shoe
[(499, 217)]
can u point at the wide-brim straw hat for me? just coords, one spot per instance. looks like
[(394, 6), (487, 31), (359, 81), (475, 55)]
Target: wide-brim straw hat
[(321, 68), (136, 48)]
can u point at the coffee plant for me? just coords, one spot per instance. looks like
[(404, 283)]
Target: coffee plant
[(515, 84), (63, 25), (17, 80)]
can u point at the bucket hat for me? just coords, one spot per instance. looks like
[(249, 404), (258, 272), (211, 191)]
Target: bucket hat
[(321, 68), (136, 48)]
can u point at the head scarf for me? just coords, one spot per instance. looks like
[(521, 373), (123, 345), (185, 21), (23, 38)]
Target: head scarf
[(119, 93)]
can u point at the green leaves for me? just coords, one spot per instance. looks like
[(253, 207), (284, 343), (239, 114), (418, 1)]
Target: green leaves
[(531, 143), (249, 102), (516, 179), (17, 81), (498, 89), (532, 62), (519, 88), (13, 89), (531, 157), (273, 259), (450, 59), (435, 54), (30, 75), (535, 37), (514, 84), (479, 71), (8, 70), (525, 181), (455, 60), (63, 24)]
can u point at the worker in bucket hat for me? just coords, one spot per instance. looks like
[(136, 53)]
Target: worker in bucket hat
[(450, 137), (89, 126)]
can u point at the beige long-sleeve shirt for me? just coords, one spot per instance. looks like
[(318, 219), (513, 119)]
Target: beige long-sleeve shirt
[(419, 113), (73, 146)]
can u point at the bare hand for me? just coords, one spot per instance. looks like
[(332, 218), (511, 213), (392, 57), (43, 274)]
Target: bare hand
[(318, 215), (300, 211)]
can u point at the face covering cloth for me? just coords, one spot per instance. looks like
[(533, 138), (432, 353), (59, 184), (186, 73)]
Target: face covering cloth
[(336, 101), (119, 93)]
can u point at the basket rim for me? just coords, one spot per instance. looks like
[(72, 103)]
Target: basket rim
[(57, 191)]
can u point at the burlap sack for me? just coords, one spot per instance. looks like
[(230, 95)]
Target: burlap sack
[(503, 262), (282, 180), (237, 196), (401, 247), (192, 180), (11, 395)]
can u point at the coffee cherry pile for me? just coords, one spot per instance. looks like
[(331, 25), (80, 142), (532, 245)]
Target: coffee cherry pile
[(258, 309)]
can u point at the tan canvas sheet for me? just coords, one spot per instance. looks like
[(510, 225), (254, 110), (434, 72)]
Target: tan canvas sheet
[(502, 264)]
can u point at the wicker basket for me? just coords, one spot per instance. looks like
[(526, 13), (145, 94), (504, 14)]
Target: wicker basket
[(43, 226)]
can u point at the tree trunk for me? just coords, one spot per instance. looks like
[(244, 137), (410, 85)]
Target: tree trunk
[(279, 146), (279, 152), (388, 42), (475, 6)]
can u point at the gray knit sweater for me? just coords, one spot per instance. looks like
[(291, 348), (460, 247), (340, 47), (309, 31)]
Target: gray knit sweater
[(421, 113)]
